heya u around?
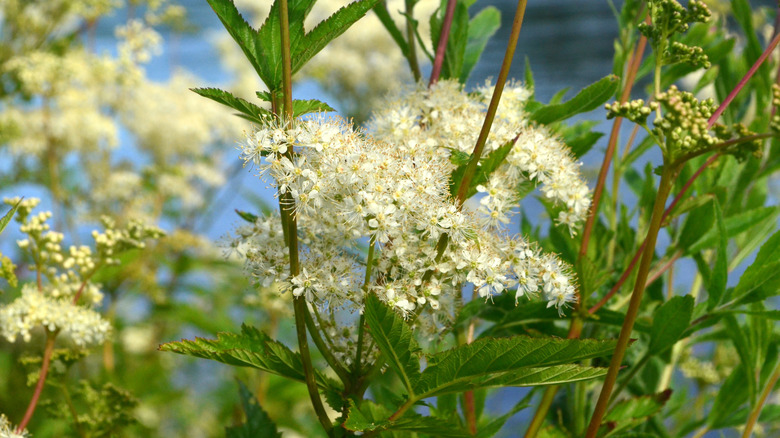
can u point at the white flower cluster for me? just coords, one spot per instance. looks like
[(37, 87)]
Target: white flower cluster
[(82, 100), (444, 117), (36, 308), (64, 305), (7, 430), (347, 188)]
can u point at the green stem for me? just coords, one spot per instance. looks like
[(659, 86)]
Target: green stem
[(544, 406), (405, 407), (362, 321), (770, 384), (628, 377), (324, 350), (471, 168), (387, 21), (286, 205), (72, 410), (411, 54), (665, 186), (719, 146)]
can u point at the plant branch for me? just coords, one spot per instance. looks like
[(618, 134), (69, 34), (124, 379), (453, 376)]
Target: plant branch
[(665, 267), (576, 323), (665, 186), (324, 350), (441, 48), (720, 146), (362, 320), (286, 206), (471, 168), (743, 81), (636, 60), (47, 352), (638, 253), (411, 54), (770, 384)]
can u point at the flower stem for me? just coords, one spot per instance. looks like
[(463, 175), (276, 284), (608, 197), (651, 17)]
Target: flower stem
[(576, 323), (471, 168), (47, 352), (286, 205), (635, 62), (441, 48), (641, 249), (362, 320), (770, 384), (665, 186), (743, 81), (412, 51), (324, 350)]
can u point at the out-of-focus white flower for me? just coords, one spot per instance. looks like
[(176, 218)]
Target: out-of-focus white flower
[(35, 308), (7, 430)]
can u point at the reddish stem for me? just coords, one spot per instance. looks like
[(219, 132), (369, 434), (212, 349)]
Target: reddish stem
[(636, 60), (441, 48), (47, 352), (660, 271), (744, 80), (635, 259)]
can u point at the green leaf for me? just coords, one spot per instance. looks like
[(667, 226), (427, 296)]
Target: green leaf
[(246, 109), (384, 16), (528, 76), (257, 424), (395, 340), (745, 350), (247, 216), (732, 394), (580, 138), (716, 287), (735, 224), (551, 375), (9, 215), (372, 417), (762, 278), (261, 48), (768, 314), (669, 323), (301, 107), (251, 348), (588, 99), (481, 28), (489, 429), (487, 165), (328, 30), (632, 412), (515, 361), (698, 222), (616, 318)]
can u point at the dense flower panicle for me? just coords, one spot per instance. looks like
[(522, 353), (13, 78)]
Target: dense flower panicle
[(35, 308), (7, 430), (347, 186), (445, 118), (64, 304)]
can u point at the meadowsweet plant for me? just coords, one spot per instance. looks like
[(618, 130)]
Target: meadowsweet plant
[(61, 302), (399, 281)]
